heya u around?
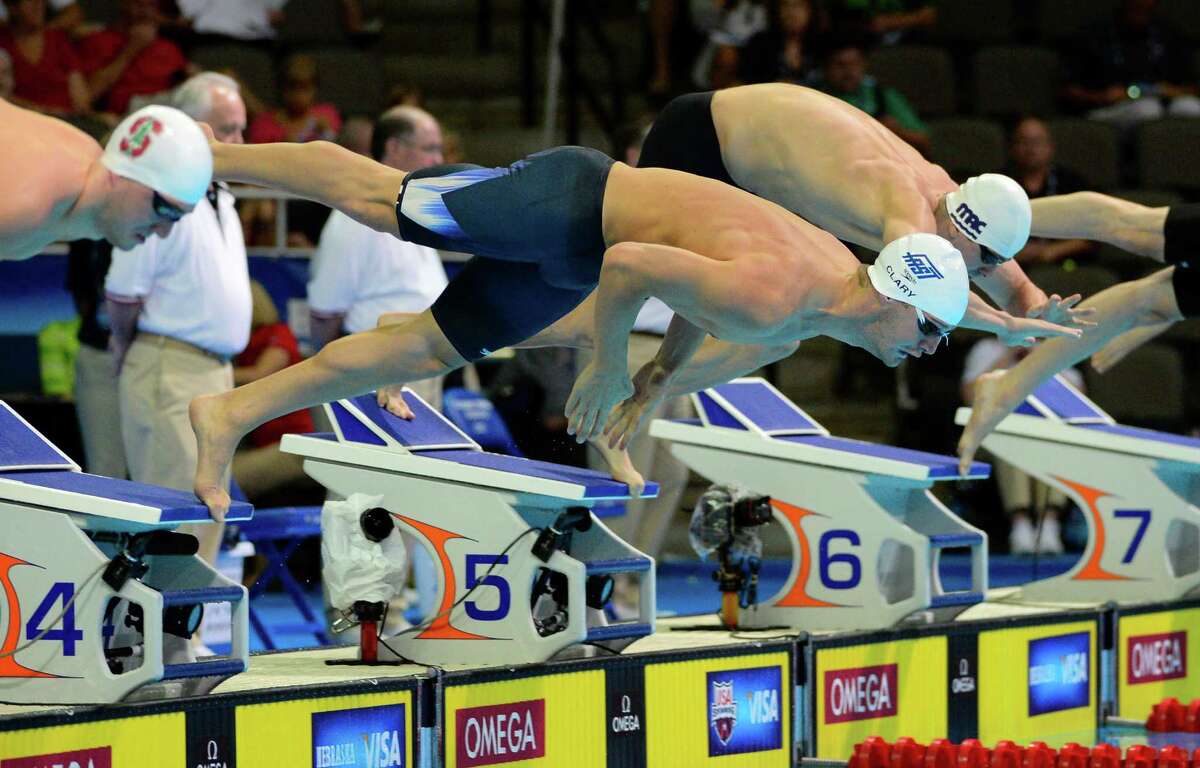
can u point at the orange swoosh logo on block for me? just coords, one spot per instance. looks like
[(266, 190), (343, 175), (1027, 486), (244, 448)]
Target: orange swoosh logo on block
[(1091, 570), (12, 632), (797, 597), (441, 628)]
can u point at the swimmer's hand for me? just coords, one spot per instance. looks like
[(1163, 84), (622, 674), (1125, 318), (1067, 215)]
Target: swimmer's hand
[(596, 392), (1027, 331), (650, 385), (208, 132), (392, 399), (1056, 309)]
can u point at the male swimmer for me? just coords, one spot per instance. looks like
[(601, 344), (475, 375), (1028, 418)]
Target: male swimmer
[(1127, 314), (845, 172), (545, 232), (57, 183)]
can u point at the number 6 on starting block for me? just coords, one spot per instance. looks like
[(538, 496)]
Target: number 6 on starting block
[(866, 534)]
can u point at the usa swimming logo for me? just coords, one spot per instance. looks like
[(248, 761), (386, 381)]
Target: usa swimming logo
[(745, 711), (922, 267), (373, 737), (1059, 673)]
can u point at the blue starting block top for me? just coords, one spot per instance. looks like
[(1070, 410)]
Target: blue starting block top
[(23, 447), (34, 471), (757, 410), (1057, 400), (430, 435), (1062, 413)]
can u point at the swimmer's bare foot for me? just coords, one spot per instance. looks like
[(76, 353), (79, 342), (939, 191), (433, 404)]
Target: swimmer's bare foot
[(989, 407), (216, 440), (620, 467)]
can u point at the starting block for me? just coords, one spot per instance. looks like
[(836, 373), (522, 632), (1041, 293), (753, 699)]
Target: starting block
[(506, 535), (865, 532), (74, 547), (1133, 485)]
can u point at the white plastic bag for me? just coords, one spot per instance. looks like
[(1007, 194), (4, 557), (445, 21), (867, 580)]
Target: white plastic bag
[(354, 567)]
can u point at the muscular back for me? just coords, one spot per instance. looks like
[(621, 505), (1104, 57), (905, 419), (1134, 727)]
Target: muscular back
[(793, 260), (44, 162), (823, 159)]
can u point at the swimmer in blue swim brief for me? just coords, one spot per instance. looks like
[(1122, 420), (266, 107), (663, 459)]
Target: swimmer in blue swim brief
[(547, 231)]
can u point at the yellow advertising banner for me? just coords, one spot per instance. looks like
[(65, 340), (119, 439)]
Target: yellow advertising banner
[(360, 729), (544, 720), (1038, 683), (733, 710), (1155, 657), (101, 744), (889, 689)]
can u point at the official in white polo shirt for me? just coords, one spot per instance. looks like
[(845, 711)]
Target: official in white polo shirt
[(359, 274), (179, 308)]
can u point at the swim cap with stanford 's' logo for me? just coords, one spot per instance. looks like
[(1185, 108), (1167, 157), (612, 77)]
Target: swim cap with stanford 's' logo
[(163, 149), (925, 271)]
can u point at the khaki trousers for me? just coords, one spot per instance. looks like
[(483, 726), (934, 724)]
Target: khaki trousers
[(158, 381), (98, 408)]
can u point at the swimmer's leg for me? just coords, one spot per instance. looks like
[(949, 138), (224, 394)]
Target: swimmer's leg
[(1150, 301), (1093, 216), (344, 368)]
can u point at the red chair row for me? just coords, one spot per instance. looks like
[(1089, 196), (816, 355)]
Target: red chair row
[(1171, 715), (875, 752)]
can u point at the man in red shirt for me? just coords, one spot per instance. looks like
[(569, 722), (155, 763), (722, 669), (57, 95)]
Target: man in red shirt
[(45, 65), (130, 59)]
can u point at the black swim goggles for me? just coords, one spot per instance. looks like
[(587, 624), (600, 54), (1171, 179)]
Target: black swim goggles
[(165, 209), (990, 258), (927, 327)]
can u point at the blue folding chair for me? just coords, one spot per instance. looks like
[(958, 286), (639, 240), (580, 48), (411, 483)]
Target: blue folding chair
[(277, 533)]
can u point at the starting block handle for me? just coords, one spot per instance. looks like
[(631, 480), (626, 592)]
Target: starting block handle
[(977, 544)]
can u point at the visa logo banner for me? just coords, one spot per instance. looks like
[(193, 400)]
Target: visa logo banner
[(1059, 672), (862, 693), (744, 710), (372, 737), (1150, 658), (502, 733), (80, 758)]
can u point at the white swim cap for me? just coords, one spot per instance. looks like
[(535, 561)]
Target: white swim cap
[(164, 149), (925, 271), (992, 210)]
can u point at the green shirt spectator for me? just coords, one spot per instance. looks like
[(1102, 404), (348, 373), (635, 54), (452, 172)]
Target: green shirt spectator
[(845, 76), (58, 345)]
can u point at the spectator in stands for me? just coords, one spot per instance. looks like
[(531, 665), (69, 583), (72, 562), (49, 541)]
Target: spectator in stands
[(783, 51), (361, 25), (260, 468), (130, 58), (356, 134), (1021, 495), (179, 308), (1133, 69), (302, 117), (240, 19), (97, 404), (1031, 163), (6, 75), (46, 68), (359, 274), (845, 76), (885, 22), (717, 66), (404, 94), (67, 15)]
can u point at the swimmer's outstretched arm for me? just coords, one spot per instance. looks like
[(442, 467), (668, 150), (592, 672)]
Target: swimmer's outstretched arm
[(357, 186), (1013, 330), (1149, 301), (694, 286), (1093, 216)]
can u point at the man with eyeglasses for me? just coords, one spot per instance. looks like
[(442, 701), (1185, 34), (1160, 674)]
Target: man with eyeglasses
[(179, 308), (358, 274), (58, 184)]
